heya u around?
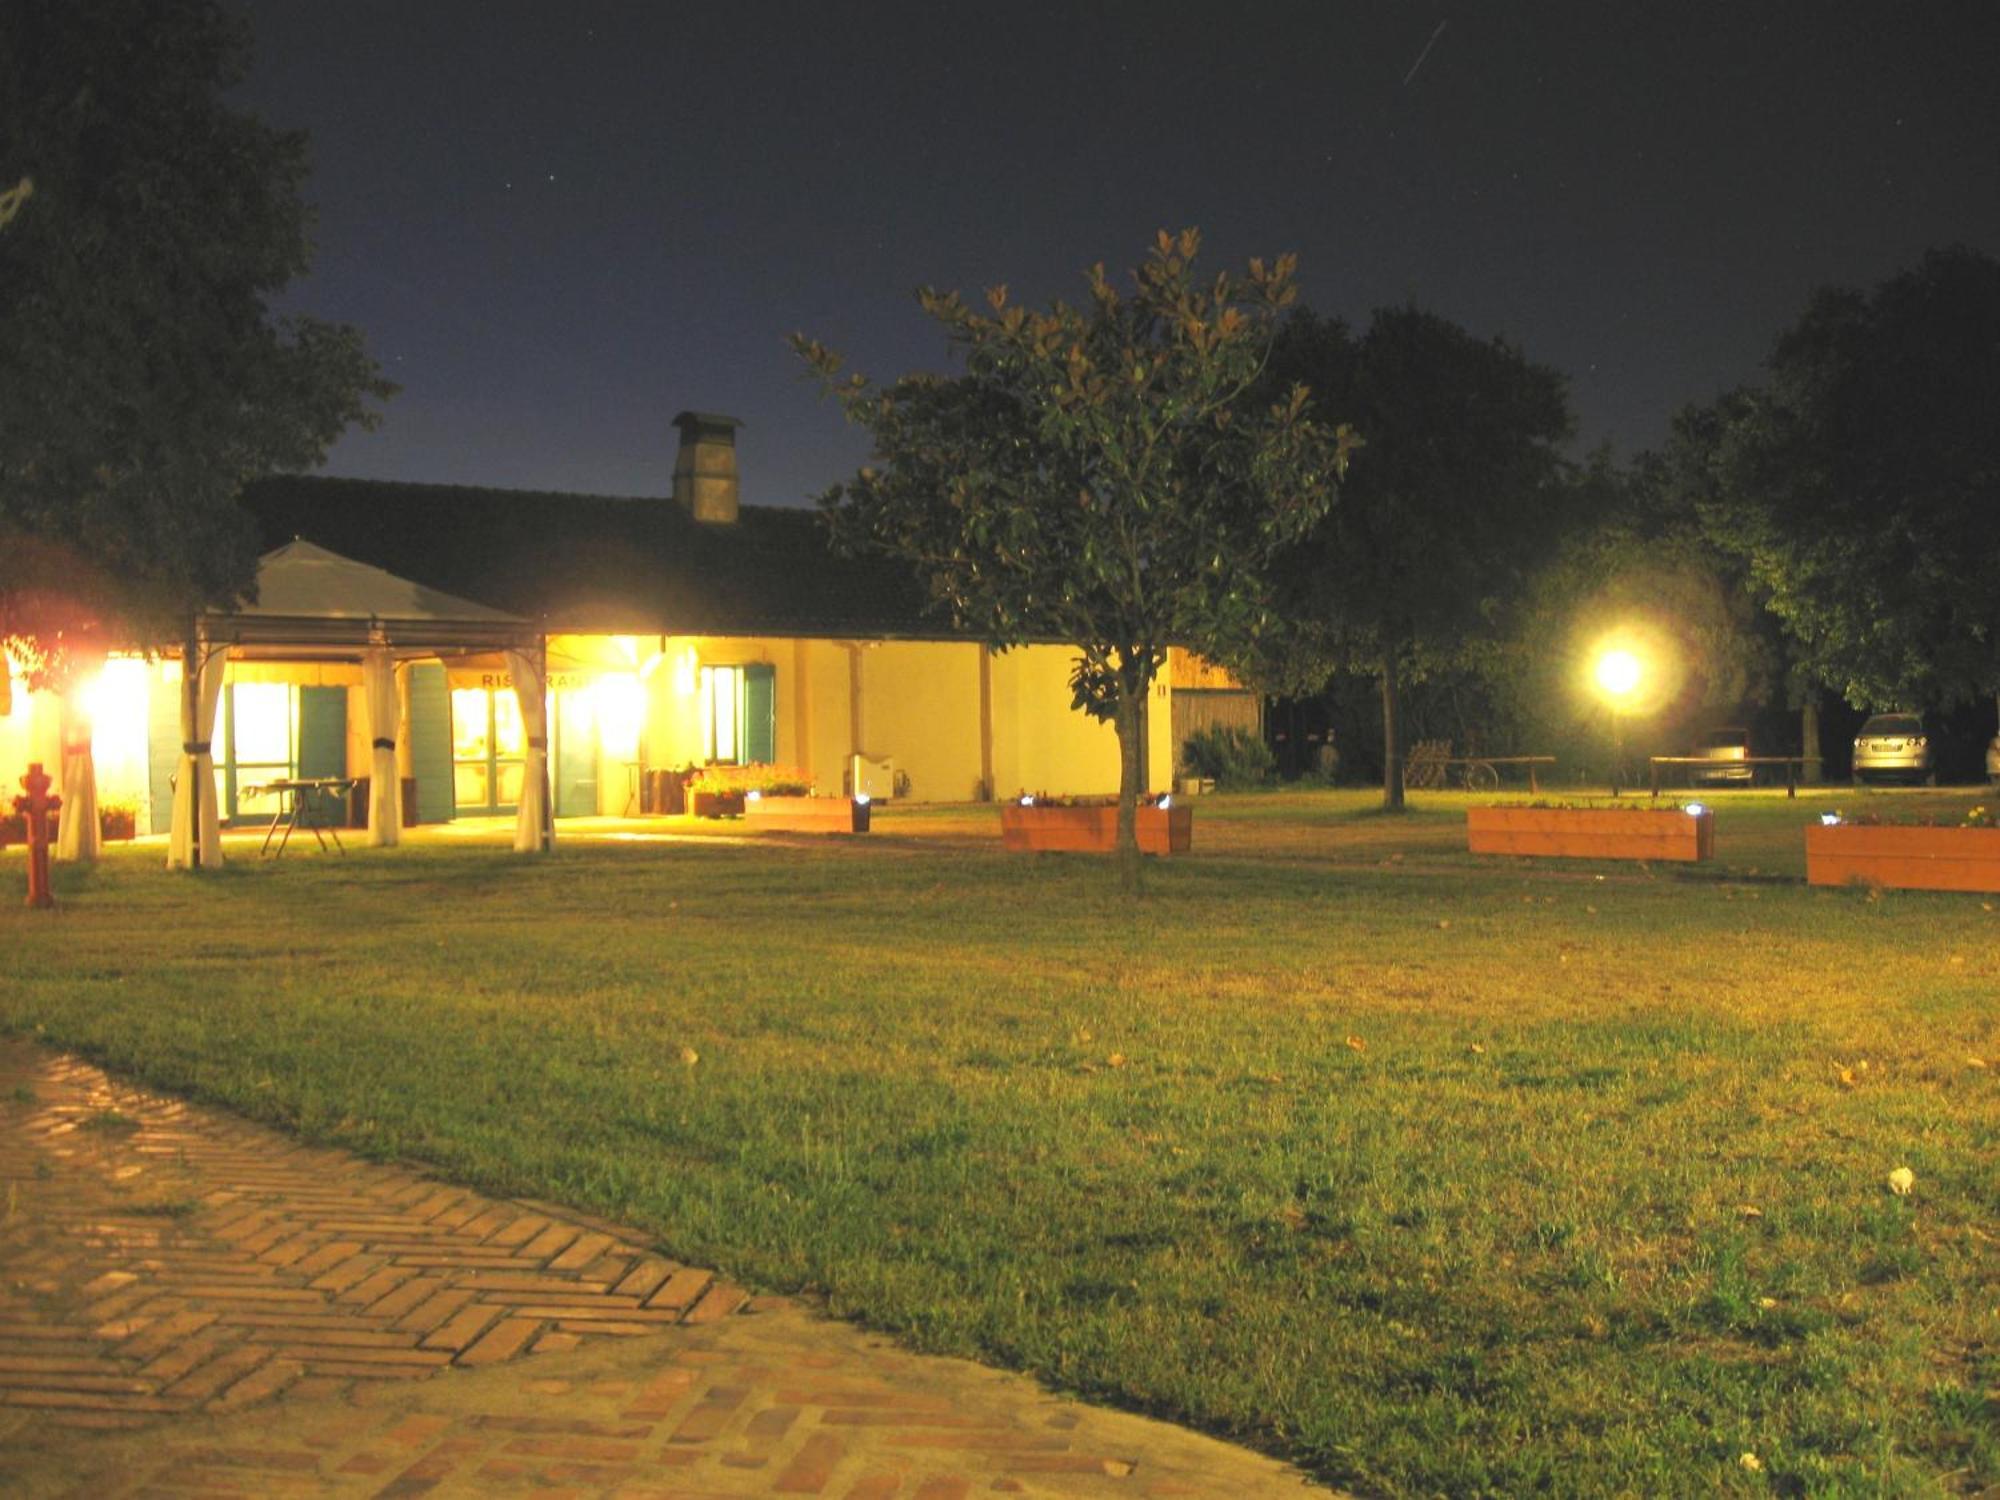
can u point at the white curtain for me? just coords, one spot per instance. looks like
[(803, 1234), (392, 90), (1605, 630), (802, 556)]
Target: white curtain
[(77, 835), (532, 829), (385, 799), (196, 768)]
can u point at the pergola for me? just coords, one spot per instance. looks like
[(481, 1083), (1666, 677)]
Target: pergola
[(315, 605)]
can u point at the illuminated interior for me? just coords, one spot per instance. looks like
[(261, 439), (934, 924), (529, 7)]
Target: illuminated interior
[(722, 715), (488, 749)]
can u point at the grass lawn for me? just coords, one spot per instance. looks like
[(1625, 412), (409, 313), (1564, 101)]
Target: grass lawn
[(1433, 1173)]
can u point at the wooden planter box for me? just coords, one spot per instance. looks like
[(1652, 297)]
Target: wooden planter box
[(807, 814), (1094, 830), (1917, 859), (715, 804), (1591, 833)]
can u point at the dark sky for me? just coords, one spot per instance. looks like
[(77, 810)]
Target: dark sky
[(559, 223)]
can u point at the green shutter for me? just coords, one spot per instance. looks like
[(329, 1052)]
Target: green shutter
[(322, 731), (323, 752), (760, 713), (576, 758), (430, 742), (163, 748)]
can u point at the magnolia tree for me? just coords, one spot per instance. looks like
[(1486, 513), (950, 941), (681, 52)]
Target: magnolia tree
[(1098, 475)]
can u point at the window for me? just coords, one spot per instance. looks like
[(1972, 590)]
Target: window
[(722, 715), (260, 733)]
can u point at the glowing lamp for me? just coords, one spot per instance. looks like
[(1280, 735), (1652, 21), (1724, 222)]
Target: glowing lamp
[(753, 795), (862, 799), (621, 713), (1829, 820), (1695, 809), (1618, 673), (1027, 801)]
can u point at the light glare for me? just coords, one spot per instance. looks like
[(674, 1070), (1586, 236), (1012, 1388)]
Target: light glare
[(1618, 673)]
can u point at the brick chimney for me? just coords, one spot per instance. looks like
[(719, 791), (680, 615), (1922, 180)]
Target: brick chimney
[(705, 483)]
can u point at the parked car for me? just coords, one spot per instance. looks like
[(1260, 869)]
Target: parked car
[(1893, 747), (1729, 743), (1993, 761)]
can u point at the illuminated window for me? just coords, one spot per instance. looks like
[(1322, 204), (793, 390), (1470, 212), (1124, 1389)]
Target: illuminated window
[(722, 715), (260, 745)]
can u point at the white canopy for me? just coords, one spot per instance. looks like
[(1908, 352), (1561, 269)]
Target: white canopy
[(308, 596), (317, 605)]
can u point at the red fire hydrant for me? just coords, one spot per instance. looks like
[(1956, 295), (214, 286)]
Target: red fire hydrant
[(35, 809)]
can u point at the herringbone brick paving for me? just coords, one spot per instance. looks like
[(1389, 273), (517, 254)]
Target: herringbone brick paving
[(157, 1258), (271, 1317)]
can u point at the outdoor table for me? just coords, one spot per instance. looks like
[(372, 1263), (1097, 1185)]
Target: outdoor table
[(296, 796)]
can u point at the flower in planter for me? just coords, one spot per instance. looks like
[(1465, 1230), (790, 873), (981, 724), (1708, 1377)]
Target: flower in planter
[(751, 780), (1043, 799)]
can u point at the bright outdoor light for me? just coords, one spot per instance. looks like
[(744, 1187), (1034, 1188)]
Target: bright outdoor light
[(1618, 673), (1695, 809), (621, 713)]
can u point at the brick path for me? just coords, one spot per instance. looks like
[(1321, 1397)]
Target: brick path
[(274, 1319)]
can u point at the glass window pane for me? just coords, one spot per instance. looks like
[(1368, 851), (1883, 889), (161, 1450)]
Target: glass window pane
[(512, 773), (263, 723), (470, 724), (469, 785), (507, 736), (722, 712)]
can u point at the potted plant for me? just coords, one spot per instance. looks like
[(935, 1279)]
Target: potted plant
[(1601, 830), (1910, 856), (712, 792), (1090, 824)]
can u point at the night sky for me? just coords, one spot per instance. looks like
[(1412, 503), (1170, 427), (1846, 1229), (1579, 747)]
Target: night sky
[(560, 223)]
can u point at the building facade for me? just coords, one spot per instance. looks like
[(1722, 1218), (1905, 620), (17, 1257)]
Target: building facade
[(680, 632)]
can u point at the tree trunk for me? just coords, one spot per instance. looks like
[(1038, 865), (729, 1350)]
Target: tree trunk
[(1392, 736), (1809, 740), (1130, 721)]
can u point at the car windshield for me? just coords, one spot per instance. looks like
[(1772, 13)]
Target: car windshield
[(1893, 724)]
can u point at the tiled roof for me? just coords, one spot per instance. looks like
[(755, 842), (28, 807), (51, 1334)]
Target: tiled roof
[(601, 562)]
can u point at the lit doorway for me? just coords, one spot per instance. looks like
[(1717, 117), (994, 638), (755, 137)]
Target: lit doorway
[(488, 750)]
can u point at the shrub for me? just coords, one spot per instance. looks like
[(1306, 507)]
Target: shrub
[(1232, 756)]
